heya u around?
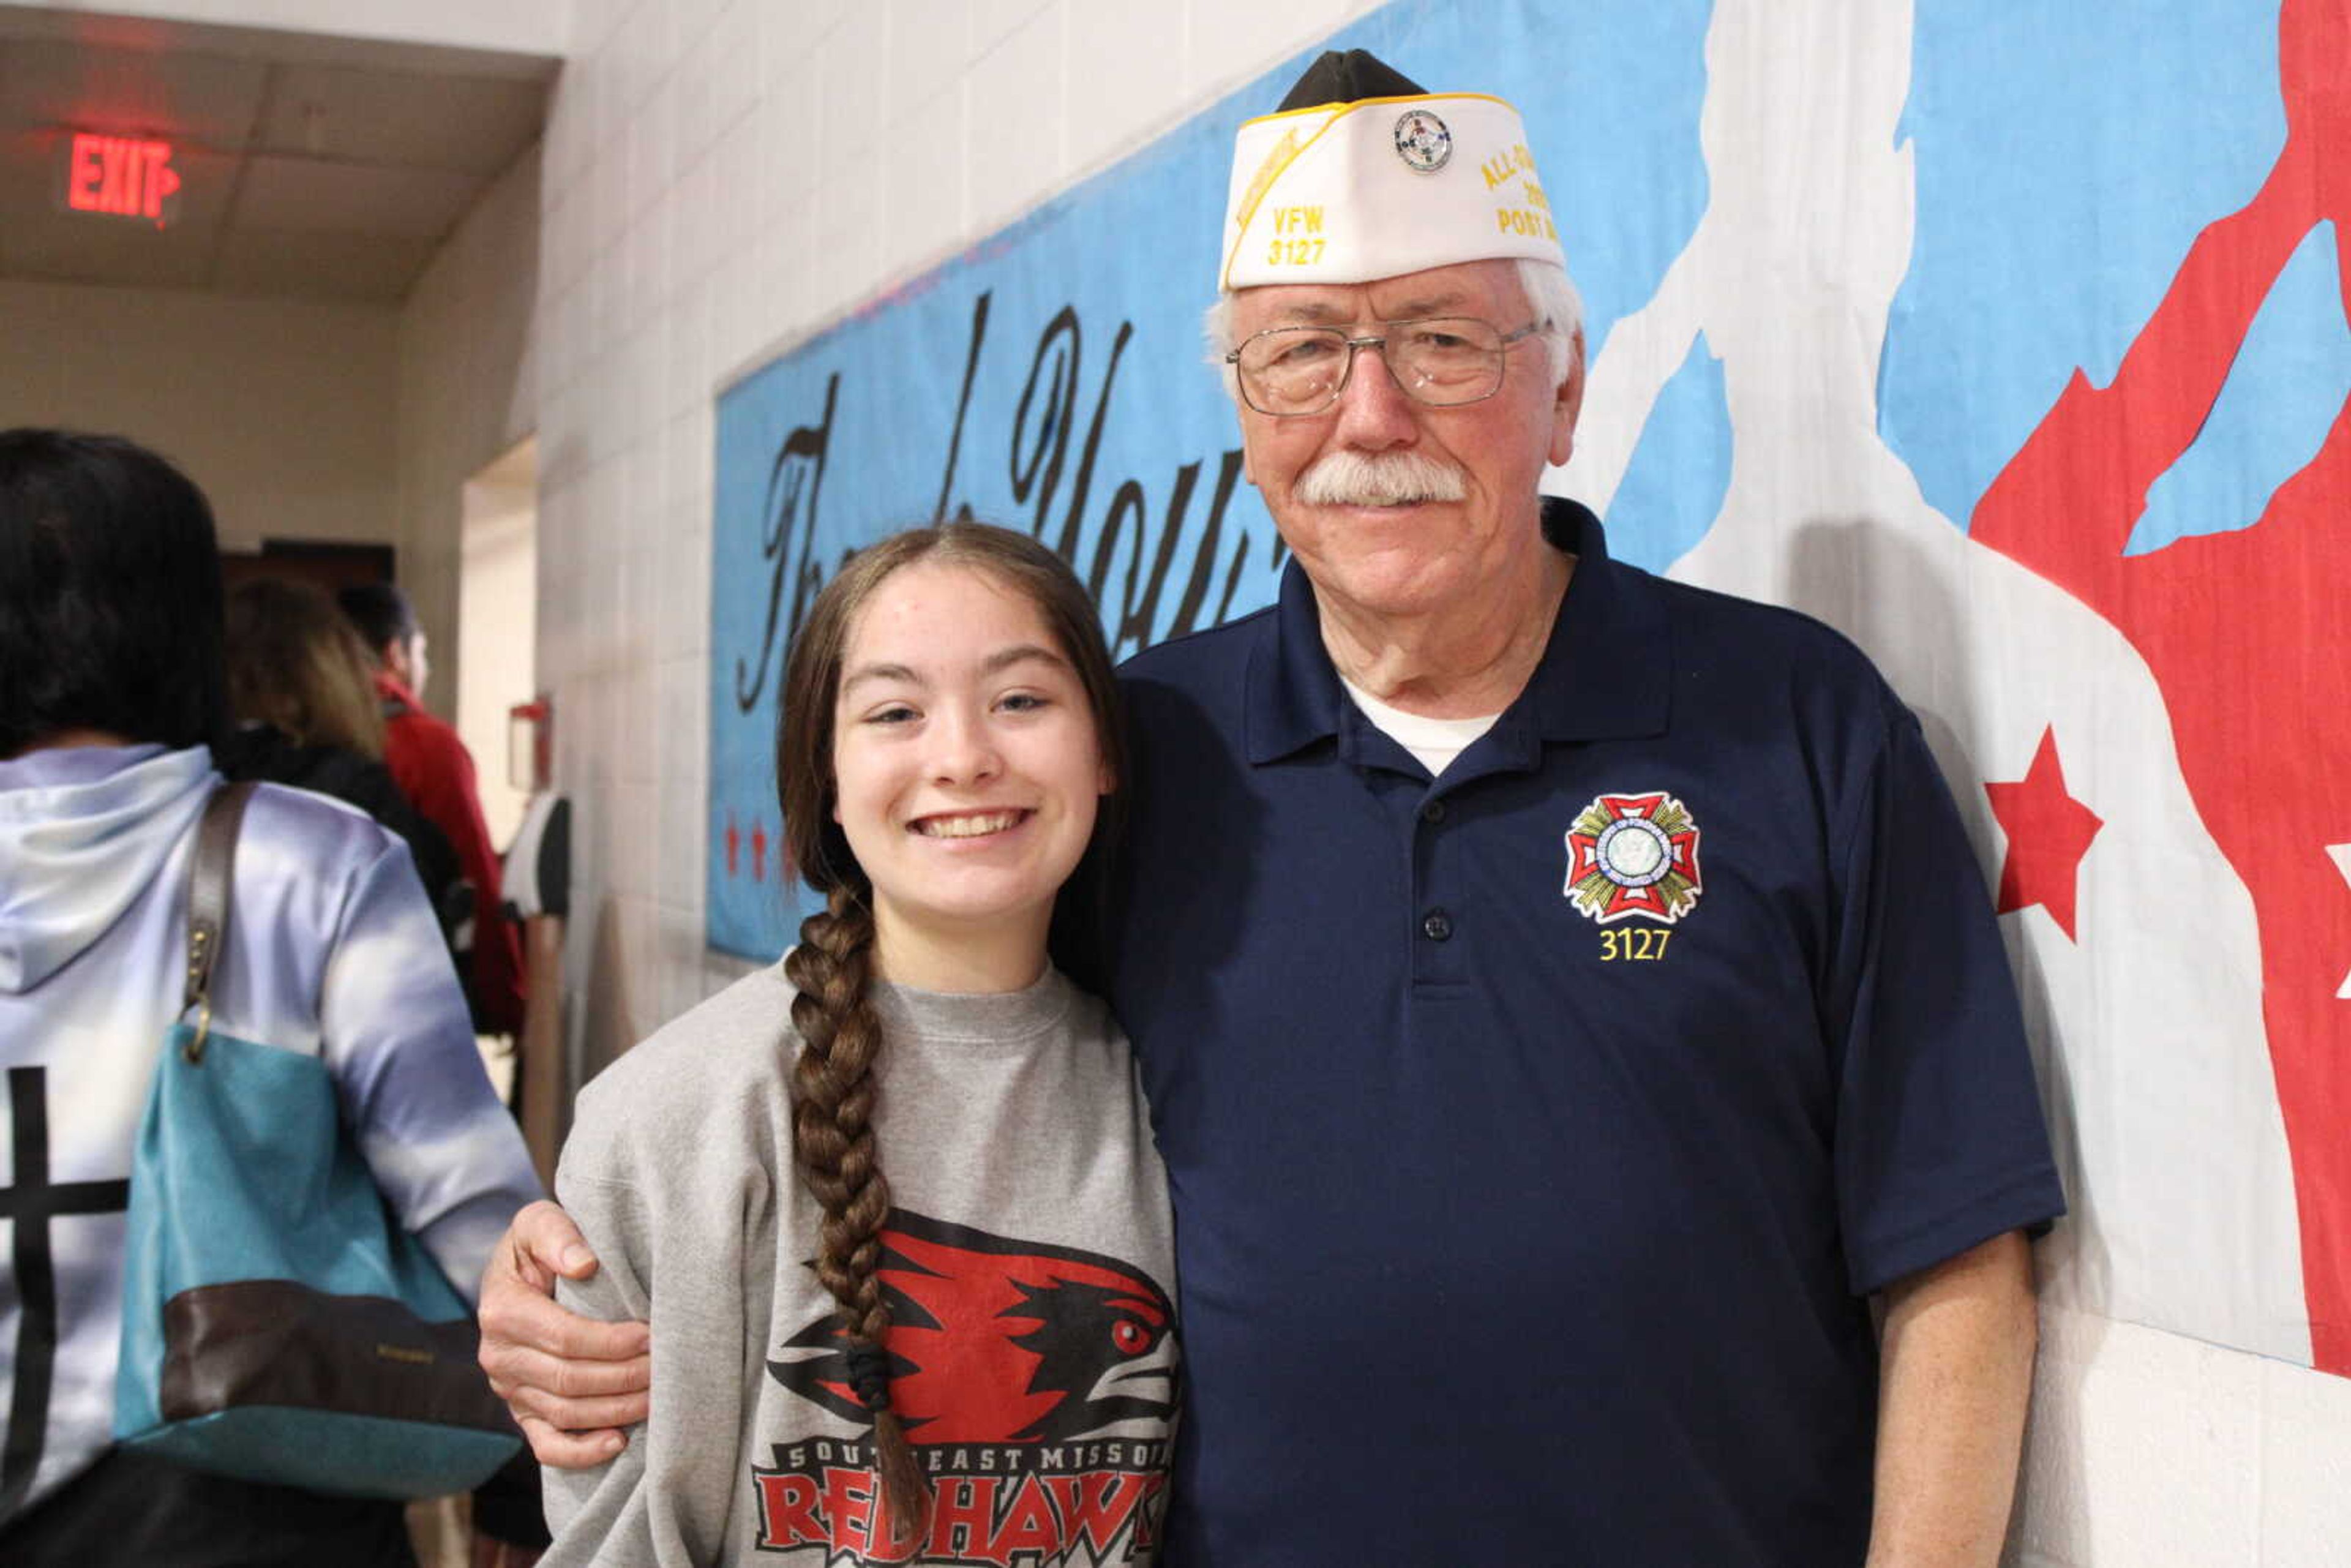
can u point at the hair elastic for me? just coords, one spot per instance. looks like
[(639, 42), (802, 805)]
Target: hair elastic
[(869, 1376)]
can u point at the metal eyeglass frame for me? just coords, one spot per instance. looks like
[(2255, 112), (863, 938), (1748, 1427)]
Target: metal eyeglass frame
[(1373, 341)]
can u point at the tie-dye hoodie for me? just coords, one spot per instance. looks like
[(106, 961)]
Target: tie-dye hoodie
[(330, 949)]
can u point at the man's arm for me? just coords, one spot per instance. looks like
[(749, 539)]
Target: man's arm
[(1954, 1376), (571, 1381)]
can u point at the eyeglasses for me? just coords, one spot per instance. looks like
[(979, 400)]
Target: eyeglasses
[(1441, 360)]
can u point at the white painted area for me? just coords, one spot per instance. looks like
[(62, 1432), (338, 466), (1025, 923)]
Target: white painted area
[(281, 411), (2340, 855), (516, 26), (467, 393), (2147, 1450), (497, 621)]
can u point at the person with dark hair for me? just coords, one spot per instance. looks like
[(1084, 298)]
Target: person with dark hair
[(301, 686), (436, 771), (386, 622), (111, 694), (106, 626), (1541, 1182), (835, 1342)]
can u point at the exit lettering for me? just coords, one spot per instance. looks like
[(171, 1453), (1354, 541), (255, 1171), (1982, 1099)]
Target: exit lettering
[(121, 176)]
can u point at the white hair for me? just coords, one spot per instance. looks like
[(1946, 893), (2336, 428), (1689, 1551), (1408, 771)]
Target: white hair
[(1550, 291), (1559, 311)]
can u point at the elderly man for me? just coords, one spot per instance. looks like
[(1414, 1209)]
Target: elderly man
[(1566, 999)]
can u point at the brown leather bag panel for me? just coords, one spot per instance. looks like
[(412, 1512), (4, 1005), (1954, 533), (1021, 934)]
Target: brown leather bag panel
[(273, 1342)]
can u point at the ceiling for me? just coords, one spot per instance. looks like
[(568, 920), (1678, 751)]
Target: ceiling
[(310, 166)]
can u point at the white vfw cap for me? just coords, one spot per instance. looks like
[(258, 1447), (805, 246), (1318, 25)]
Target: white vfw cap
[(1361, 175)]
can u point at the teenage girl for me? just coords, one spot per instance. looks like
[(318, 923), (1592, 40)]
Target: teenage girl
[(973, 1357)]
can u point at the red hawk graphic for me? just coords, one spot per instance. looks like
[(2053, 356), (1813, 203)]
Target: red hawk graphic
[(996, 1340)]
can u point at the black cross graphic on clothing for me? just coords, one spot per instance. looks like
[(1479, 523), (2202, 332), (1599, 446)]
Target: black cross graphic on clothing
[(30, 1205)]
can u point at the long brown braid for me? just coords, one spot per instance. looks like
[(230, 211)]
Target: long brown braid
[(832, 969), (833, 1147)]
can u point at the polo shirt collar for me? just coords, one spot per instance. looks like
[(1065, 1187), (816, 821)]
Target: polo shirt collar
[(1605, 673)]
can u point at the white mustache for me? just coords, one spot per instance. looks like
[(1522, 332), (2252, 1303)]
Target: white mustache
[(1378, 479)]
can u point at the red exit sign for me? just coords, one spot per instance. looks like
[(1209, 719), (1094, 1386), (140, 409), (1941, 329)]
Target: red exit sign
[(121, 176)]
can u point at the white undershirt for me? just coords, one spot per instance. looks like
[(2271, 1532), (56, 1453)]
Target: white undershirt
[(1435, 741)]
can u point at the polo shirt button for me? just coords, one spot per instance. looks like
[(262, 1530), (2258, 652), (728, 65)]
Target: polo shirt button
[(1433, 812), (1437, 925)]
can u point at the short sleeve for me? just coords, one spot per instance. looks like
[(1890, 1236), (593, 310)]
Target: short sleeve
[(1940, 1142)]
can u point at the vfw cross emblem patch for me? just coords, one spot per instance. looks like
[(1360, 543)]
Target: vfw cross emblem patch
[(1633, 855)]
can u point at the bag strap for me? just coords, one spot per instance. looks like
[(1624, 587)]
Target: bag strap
[(208, 902)]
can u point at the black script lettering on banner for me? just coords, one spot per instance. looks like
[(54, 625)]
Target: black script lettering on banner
[(1133, 558)]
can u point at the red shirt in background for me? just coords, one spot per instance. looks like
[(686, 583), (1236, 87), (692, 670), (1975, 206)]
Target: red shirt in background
[(436, 771)]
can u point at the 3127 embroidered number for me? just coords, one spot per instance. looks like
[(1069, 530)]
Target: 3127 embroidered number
[(1633, 944)]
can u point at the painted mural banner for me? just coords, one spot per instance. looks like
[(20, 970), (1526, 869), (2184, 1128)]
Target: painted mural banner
[(1935, 321)]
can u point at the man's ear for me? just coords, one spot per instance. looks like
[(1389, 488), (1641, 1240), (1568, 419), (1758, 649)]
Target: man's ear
[(1567, 405)]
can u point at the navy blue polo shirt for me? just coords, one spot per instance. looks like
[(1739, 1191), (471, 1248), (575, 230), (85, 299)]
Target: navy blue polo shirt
[(1537, 1133)]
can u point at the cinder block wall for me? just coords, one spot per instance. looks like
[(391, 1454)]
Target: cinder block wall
[(720, 180)]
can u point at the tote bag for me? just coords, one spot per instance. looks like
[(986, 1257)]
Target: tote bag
[(279, 1326)]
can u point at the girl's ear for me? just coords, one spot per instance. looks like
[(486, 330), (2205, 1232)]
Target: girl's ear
[(1105, 779)]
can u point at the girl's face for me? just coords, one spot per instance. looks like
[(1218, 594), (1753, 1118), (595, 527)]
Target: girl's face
[(966, 767)]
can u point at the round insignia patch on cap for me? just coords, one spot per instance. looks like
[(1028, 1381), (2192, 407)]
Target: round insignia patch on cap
[(1423, 142), (1633, 855)]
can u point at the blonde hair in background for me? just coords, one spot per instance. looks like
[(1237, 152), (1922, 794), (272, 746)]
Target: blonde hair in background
[(296, 663)]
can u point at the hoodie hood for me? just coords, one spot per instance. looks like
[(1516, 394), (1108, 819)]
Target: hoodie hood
[(84, 830)]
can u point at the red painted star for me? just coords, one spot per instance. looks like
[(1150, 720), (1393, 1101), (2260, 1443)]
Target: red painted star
[(734, 842), (758, 852), (2048, 833)]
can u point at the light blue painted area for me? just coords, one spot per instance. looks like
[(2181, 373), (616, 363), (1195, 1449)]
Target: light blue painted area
[(1674, 486), (1132, 473), (2283, 394), (2067, 155)]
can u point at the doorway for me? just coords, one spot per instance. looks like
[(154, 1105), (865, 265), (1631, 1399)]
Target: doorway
[(497, 627)]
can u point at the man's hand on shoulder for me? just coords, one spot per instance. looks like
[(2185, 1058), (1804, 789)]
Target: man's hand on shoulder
[(572, 1382)]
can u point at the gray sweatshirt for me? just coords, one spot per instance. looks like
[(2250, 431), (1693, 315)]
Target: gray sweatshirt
[(1030, 1259)]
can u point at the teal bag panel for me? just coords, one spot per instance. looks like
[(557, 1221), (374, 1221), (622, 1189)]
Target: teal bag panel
[(246, 1145), (321, 1450)]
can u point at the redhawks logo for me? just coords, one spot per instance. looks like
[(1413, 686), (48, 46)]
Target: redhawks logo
[(1038, 1383), (1633, 855)]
